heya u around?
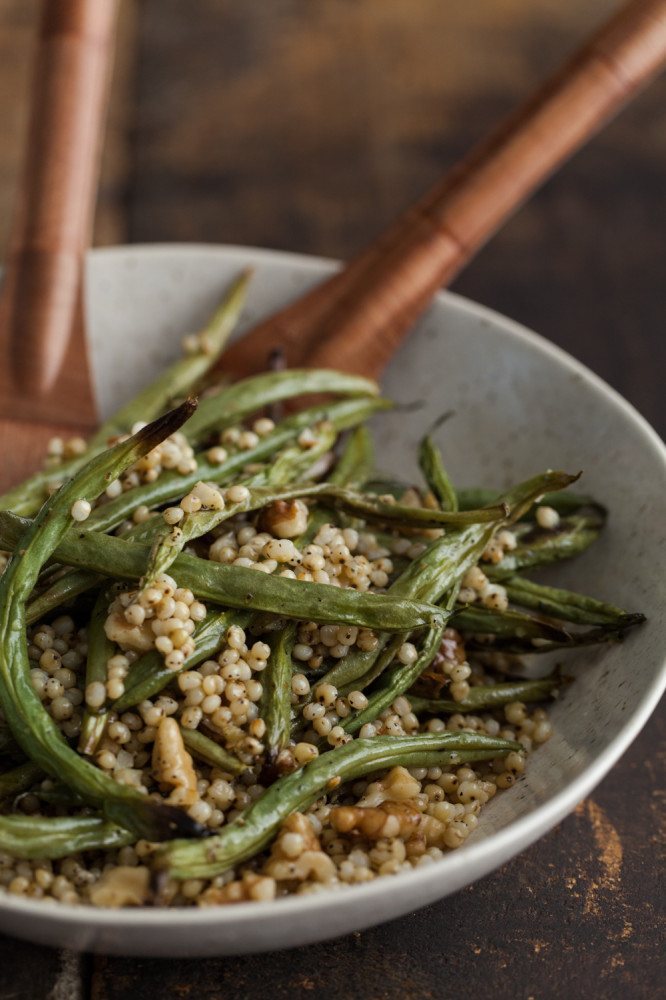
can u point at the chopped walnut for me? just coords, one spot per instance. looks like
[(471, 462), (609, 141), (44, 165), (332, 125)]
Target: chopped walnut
[(251, 887), (397, 786), (285, 518), (429, 833), (297, 855), (392, 819), (118, 629), (122, 886), (173, 765)]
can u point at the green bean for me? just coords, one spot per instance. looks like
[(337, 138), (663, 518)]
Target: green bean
[(355, 463), (395, 681), (276, 698), (172, 486), (35, 837), (175, 381), (435, 475), (210, 752), (31, 725), (567, 605), (539, 548), (565, 503), (148, 675), (247, 396), (183, 375), (371, 508), (482, 697), (100, 651), (239, 587), (512, 624), (252, 831), (63, 592), (521, 647), (19, 779)]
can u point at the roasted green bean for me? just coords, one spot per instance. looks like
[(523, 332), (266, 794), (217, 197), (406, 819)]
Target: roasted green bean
[(100, 650), (276, 697), (31, 837), (567, 605), (210, 752), (436, 477), (482, 698)]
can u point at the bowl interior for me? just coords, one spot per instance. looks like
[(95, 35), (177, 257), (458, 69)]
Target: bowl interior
[(520, 406)]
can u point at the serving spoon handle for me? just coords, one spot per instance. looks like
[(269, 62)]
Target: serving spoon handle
[(357, 319), (45, 372)]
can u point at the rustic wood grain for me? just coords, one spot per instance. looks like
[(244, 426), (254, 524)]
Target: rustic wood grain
[(306, 126)]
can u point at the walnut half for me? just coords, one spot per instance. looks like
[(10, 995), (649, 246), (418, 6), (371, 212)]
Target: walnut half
[(172, 764)]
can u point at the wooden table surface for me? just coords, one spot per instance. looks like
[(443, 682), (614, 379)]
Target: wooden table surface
[(305, 124)]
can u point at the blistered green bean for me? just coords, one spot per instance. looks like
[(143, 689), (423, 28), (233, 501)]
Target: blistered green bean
[(510, 624), (355, 464), (276, 696), (236, 401), (33, 837), (539, 548), (565, 502), (210, 752), (483, 697), (567, 605), (100, 650), (242, 588), (435, 475)]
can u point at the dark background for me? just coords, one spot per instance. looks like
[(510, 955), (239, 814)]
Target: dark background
[(305, 125)]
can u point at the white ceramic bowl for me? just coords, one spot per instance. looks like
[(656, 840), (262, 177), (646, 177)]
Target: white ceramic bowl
[(521, 405)]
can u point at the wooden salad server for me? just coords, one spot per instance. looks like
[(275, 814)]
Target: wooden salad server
[(45, 386), (357, 319)]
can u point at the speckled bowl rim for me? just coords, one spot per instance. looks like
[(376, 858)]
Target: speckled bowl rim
[(481, 857)]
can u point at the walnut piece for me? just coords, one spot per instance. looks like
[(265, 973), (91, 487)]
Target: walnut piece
[(397, 786), (285, 518), (121, 886), (118, 629), (297, 855), (251, 887), (172, 764), (392, 819)]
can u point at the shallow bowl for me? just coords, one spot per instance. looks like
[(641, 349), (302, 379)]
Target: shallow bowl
[(521, 405)]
